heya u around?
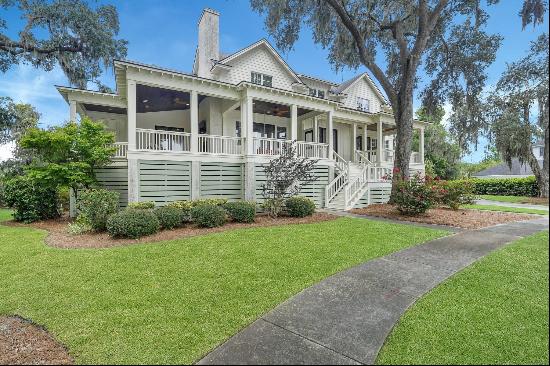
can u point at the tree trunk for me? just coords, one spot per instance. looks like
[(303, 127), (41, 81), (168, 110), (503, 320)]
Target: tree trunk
[(403, 114), (542, 176)]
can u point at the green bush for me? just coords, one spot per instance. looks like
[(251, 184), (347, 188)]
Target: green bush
[(132, 223), (185, 208), (300, 206), (413, 196), (453, 193), (169, 217), (32, 200), (241, 211), (506, 186), (209, 201), (96, 205), (208, 215), (145, 205)]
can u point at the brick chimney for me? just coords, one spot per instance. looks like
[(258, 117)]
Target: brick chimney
[(209, 43)]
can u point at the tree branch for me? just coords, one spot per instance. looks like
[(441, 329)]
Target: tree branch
[(348, 22), (17, 48)]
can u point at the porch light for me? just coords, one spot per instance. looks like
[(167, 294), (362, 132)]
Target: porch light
[(145, 100)]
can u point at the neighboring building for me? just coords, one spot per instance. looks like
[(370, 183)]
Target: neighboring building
[(517, 170), (209, 133)]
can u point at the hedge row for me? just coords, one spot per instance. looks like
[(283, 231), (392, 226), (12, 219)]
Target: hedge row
[(506, 186)]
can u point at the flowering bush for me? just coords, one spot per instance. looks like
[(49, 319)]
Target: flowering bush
[(453, 194), (412, 196)]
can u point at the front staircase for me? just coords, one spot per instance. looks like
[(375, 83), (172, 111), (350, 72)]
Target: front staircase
[(352, 181)]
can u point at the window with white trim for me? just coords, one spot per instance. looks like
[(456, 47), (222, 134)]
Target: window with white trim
[(363, 104), (261, 79), (317, 93)]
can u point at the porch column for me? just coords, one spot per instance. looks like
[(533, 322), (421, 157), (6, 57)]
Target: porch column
[(353, 141), (72, 110), (315, 129), (194, 112), (329, 133), (131, 93), (365, 137), (133, 169), (247, 124), (421, 145), (294, 122), (379, 142)]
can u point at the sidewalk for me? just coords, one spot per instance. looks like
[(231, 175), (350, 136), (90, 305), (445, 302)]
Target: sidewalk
[(345, 318)]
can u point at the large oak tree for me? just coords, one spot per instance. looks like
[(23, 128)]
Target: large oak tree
[(394, 39)]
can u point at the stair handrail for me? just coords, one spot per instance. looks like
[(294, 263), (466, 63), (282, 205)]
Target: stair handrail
[(336, 185), (355, 187), (362, 157)]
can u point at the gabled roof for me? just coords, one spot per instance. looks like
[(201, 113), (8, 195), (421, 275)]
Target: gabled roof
[(318, 79), (349, 83), (262, 43)]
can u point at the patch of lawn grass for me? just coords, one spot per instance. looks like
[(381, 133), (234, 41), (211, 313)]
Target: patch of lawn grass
[(494, 312), (172, 302), (507, 209), (516, 199)]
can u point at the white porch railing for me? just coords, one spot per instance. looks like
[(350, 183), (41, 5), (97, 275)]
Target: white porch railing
[(121, 149), (223, 145), (378, 174), (313, 150), (269, 146), (157, 140)]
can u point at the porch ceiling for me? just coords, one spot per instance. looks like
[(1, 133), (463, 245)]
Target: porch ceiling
[(274, 109), (152, 99)]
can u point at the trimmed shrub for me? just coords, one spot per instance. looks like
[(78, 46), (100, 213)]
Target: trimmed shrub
[(185, 208), (169, 217), (132, 223), (413, 196), (453, 193), (300, 206), (145, 205), (208, 215), (506, 186), (241, 211), (32, 200), (95, 206), (209, 201)]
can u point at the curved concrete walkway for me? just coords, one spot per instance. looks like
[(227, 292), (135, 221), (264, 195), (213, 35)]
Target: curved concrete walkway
[(345, 318)]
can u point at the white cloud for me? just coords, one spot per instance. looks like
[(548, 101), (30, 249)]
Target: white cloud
[(26, 84)]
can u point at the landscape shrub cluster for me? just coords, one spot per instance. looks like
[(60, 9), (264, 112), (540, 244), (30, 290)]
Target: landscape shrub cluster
[(506, 186), (417, 194)]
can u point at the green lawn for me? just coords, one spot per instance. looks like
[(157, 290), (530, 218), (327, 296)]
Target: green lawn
[(172, 302), (514, 199), (507, 209), (494, 312)]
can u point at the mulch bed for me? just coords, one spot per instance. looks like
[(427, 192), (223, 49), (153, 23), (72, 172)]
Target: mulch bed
[(24, 343), (466, 219), (60, 238)]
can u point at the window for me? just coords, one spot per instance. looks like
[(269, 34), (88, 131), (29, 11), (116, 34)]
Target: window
[(317, 93), (308, 136), (541, 152), (166, 128), (387, 144), (202, 127), (261, 79), (281, 133), (374, 144), (359, 143), (322, 135), (363, 104), (238, 128)]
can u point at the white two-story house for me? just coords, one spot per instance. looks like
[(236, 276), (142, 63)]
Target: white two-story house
[(208, 133)]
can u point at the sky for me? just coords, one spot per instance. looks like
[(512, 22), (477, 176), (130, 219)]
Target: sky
[(165, 34)]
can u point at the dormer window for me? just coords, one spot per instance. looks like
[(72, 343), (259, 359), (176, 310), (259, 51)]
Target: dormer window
[(261, 79), (317, 93), (363, 104)]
